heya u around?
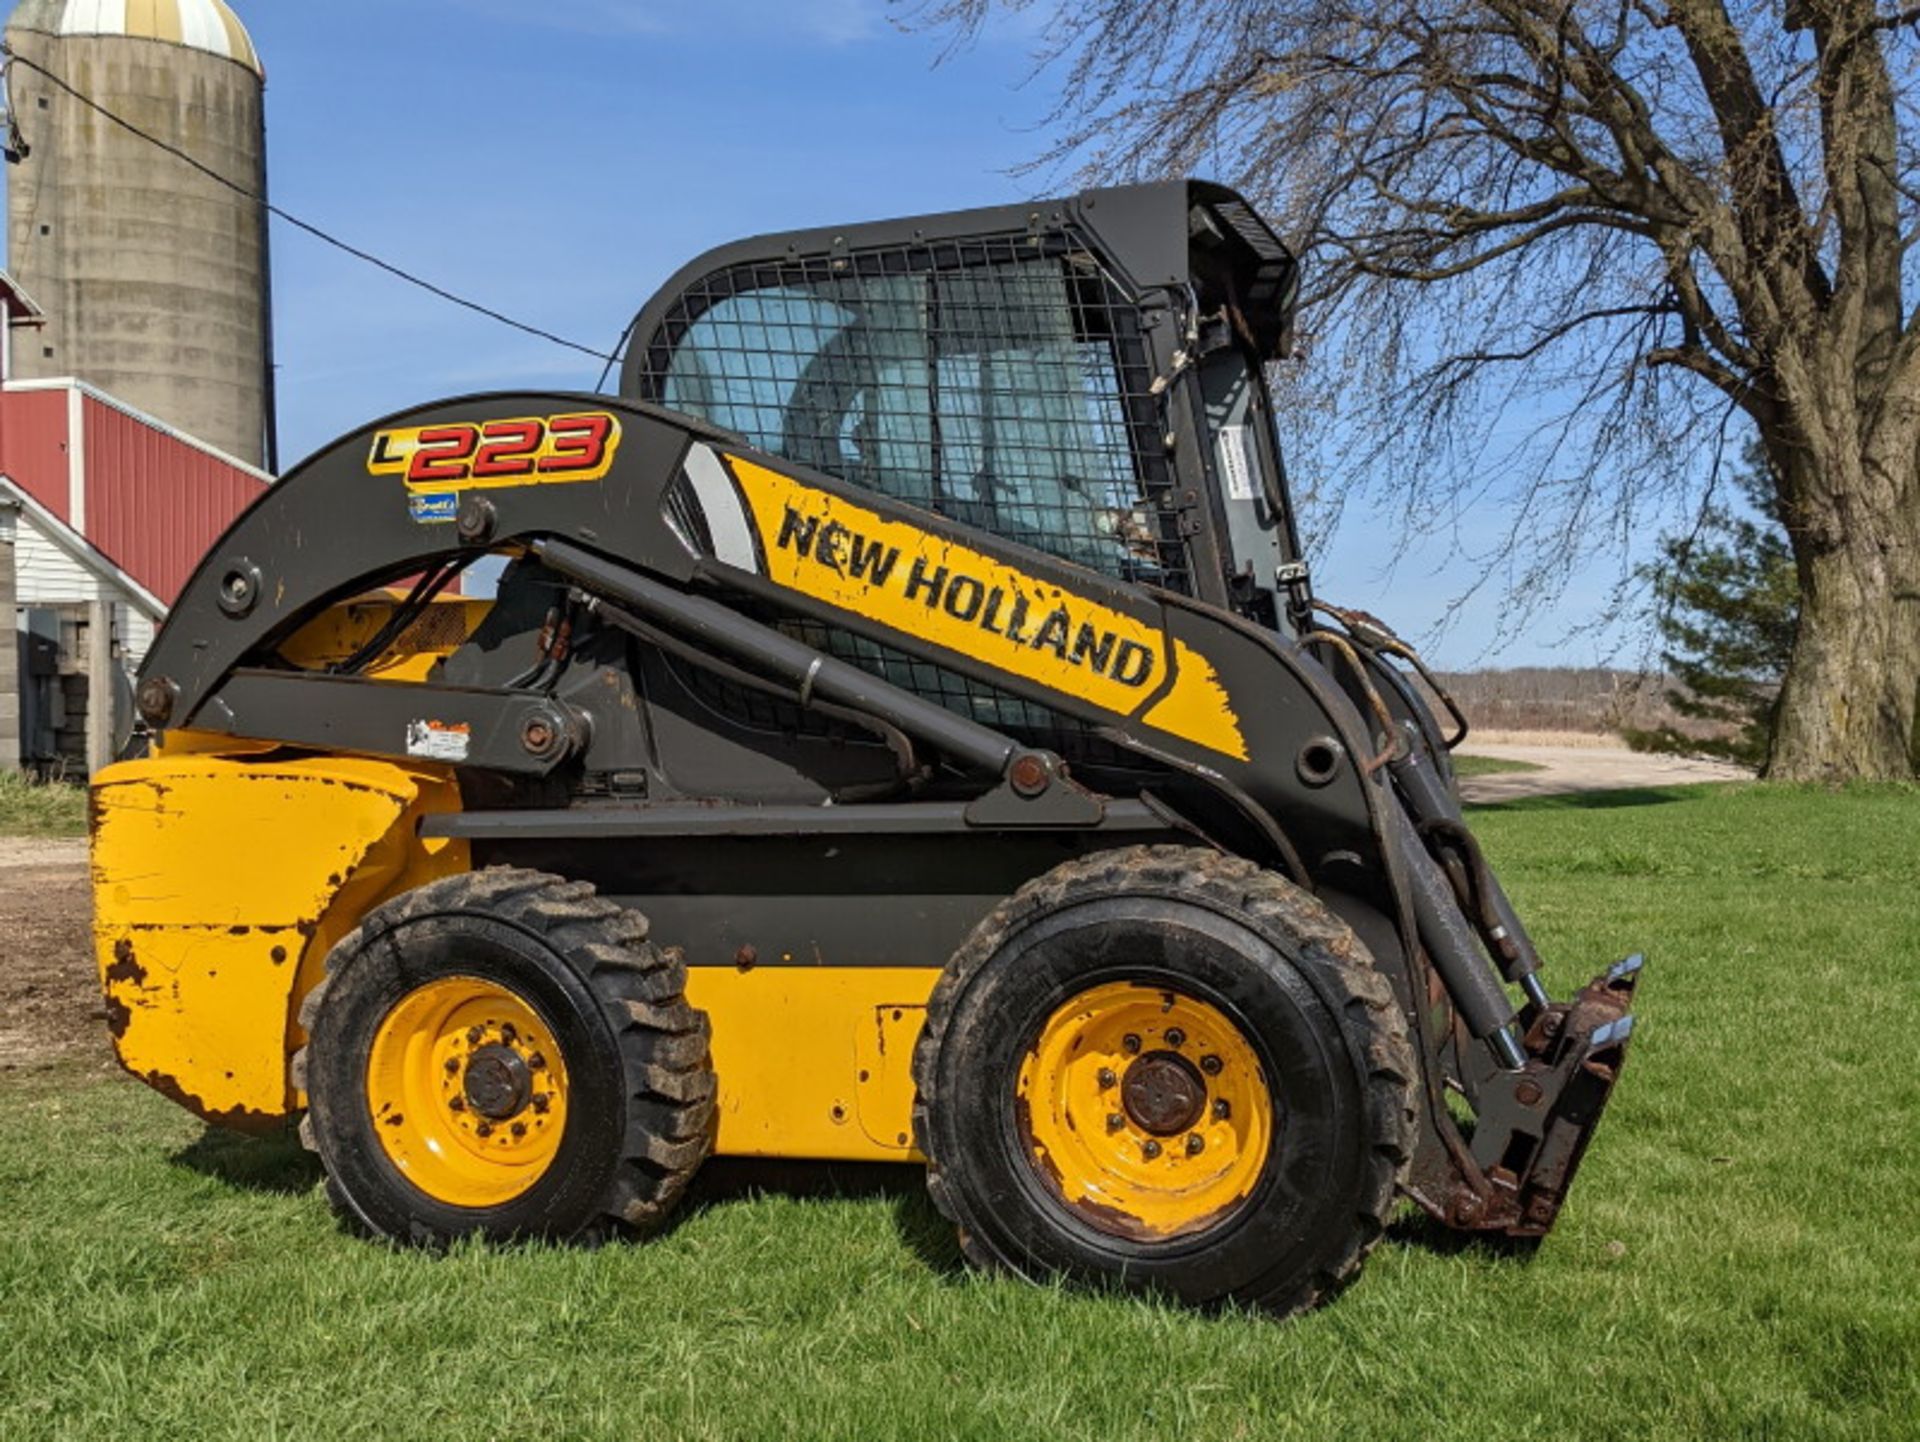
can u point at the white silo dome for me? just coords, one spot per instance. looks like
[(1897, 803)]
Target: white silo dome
[(197, 24)]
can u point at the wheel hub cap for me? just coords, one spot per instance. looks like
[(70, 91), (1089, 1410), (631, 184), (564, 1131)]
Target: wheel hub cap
[(498, 1082), (1164, 1093)]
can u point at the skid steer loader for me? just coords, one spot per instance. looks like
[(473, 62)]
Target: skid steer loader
[(904, 730)]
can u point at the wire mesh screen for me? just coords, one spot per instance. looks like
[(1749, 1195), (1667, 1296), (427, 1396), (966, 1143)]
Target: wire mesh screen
[(1000, 382)]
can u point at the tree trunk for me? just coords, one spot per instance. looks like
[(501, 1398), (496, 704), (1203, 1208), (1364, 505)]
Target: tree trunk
[(1849, 702)]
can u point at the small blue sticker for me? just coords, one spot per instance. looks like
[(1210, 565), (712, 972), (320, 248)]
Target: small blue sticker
[(432, 509)]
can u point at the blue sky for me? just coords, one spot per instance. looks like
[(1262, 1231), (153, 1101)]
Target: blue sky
[(559, 159)]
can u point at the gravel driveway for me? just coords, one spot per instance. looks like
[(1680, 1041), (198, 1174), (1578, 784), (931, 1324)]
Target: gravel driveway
[(1584, 768)]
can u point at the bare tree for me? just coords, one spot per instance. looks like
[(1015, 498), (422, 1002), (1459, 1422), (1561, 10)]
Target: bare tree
[(1565, 242)]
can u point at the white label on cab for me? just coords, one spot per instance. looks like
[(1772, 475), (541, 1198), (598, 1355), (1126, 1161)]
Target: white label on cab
[(1236, 463)]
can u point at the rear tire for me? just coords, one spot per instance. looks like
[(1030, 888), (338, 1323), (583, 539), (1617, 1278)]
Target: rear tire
[(503, 1054), (1166, 1070)]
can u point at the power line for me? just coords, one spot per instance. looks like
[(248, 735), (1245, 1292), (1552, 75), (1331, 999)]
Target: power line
[(15, 58), (619, 347)]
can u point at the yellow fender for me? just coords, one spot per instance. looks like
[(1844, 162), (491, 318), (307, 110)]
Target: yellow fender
[(220, 883)]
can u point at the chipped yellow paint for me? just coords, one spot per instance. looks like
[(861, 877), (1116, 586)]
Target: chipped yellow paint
[(814, 1061), (220, 883), (923, 585)]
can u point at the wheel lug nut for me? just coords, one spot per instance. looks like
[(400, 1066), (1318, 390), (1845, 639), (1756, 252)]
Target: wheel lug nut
[(1131, 1043), (455, 1104), (1107, 1078), (520, 1130), (538, 1061), (508, 1032), (1210, 1065), (1221, 1111), (1115, 1121), (473, 1035), (1176, 1037), (1196, 1144), (485, 1129), (1150, 1150), (453, 1065), (541, 1101)]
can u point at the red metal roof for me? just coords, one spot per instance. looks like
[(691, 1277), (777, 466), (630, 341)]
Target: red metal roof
[(155, 504), (153, 500), (33, 445)]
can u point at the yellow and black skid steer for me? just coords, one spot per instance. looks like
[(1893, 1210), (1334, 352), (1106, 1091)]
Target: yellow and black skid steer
[(903, 729)]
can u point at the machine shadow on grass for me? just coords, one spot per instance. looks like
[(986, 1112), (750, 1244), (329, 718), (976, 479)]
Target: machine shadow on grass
[(1414, 1228), (903, 1184), (276, 1163), (1591, 800)]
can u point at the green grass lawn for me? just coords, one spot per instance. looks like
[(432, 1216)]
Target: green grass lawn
[(1741, 1257), (41, 808), (1489, 765)]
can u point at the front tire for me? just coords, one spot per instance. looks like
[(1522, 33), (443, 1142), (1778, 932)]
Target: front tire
[(1167, 1070), (502, 1054)]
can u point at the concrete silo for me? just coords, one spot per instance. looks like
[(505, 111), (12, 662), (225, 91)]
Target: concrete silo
[(153, 276)]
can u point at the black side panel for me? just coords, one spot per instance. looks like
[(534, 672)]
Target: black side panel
[(809, 901)]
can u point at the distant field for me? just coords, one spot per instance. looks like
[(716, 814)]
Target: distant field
[(1590, 700), (1738, 1259)]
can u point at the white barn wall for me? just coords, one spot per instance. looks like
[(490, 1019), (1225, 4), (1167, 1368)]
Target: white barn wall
[(135, 629), (46, 573)]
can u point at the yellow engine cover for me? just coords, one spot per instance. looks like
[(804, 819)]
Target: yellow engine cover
[(220, 883)]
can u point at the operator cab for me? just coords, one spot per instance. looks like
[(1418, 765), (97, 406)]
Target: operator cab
[(1083, 376)]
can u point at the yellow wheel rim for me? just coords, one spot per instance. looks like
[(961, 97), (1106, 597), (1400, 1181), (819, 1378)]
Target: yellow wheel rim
[(467, 1091), (1146, 1111)]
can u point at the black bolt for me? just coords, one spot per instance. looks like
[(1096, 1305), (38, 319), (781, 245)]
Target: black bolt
[(520, 1130), (473, 1035), (1196, 1144), (453, 1064), (1115, 1121), (1221, 1111), (541, 1101), (475, 519), (1210, 1065), (1176, 1037), (455, 1104), (1107, 1078), (508, 1032), (485, 1129), (1131, 1043), (1150, 1149), (538, 1061)]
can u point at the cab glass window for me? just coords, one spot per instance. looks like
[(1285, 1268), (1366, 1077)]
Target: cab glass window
[(1005, 393)]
